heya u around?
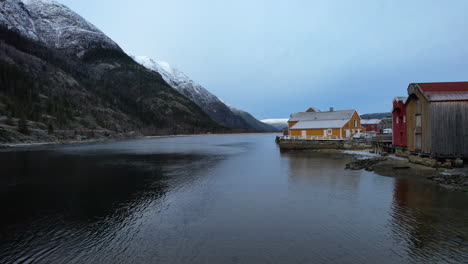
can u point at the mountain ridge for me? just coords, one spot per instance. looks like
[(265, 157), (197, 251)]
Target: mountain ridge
[(210, 103), (81, 89)]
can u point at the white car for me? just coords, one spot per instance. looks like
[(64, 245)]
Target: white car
[(387, 131), (371, 134), (359, 136)]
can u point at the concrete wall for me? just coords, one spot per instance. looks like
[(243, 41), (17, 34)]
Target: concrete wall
[(321, 144)]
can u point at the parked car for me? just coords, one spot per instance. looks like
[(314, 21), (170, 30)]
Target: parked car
[(370, 134), (387, 131), (359, 136)]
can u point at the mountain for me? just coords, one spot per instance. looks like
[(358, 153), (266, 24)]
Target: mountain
[(250, 120), (376, 115), (278, 123), (63, 78), (209, 103), (54, 25)]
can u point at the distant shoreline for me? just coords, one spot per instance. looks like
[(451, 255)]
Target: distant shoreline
[(6, 146)]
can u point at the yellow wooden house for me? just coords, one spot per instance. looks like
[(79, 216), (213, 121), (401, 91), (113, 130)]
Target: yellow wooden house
[(341, 124)]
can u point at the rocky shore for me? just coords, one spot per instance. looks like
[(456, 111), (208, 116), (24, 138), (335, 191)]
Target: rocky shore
[(403, 168), (367, 164)]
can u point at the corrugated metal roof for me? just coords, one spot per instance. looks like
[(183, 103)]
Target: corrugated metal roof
[(370, 121), (320, 124), (320, 116), (445, 91), (447, 96)]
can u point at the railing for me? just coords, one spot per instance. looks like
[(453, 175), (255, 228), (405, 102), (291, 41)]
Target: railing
[(310, 138)]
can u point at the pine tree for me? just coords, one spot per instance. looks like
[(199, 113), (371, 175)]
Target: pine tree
[(9, 120), (23, 126), (50, 129)]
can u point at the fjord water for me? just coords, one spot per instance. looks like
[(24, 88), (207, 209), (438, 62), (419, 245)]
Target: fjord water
[(217, 199)]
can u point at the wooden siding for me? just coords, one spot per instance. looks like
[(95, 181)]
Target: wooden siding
[(314, 132), (449, 129), (399, 124), (291, 123), (350, 125), (422, 108), (336, 132)]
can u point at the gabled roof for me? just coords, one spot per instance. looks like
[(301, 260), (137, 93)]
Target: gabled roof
[(320, 124), (443, 91), (313, 109), (370, 121), (321, 116), (400, 99)]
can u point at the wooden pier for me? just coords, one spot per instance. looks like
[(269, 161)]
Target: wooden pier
[(382, 143)]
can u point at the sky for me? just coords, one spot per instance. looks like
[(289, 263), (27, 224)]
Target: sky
[(273, 58)]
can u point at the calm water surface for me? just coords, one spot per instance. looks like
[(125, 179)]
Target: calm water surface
[(217, 199)]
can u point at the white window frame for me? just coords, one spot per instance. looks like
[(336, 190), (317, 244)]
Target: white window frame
[(355, 123), (397, 119), (329, 131), (404, 119)]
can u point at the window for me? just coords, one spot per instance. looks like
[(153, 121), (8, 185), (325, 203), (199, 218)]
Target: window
[(355, 123), (329, 131), (418, 120), (353, 131), (397, 120), (404, 119)]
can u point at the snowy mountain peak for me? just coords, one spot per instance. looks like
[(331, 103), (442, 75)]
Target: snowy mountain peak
[(279, 123), (208, 102), (179, 81), (53, 24)]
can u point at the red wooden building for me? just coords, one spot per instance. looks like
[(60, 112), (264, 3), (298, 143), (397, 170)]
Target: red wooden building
[(376, 125), (399, 122)]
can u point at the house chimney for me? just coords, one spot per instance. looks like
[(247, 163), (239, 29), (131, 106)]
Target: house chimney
[(331, 109)]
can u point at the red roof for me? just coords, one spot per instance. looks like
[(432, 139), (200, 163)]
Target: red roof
[(445, 91)]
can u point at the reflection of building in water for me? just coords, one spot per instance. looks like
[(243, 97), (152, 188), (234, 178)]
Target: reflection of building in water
[(416, 220), (319, 170)]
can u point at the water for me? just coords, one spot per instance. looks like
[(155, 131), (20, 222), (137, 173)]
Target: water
[(217, 199)]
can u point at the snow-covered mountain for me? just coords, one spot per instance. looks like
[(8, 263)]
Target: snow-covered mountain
[(54, 25), (278, 123), (208, 102), (252, 121), (78, 79)]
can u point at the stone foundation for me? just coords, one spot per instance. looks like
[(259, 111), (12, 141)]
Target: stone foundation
[(288, 144), (430, 162)]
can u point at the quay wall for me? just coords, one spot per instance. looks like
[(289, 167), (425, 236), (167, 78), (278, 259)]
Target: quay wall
[(298, 144)]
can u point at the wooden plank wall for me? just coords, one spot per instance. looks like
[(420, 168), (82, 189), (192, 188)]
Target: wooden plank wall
[(422, 108), (449, 129)]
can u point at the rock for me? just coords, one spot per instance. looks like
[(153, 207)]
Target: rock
[(423, 161), (458, 163), (364, 163)]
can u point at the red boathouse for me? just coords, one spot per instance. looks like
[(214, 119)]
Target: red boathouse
[(399, 122)]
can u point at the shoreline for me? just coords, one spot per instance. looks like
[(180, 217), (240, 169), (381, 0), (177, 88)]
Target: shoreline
[(401, 168), (455, 179), (6, 146)]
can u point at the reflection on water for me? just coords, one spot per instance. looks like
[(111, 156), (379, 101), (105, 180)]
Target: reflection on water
[(217, 199), (429, 224)]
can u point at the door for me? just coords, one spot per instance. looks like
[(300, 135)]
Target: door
[(304, 133), (348, 133), (418, 142)]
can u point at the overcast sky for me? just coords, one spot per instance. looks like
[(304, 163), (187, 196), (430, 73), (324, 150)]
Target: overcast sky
[(273, 58)]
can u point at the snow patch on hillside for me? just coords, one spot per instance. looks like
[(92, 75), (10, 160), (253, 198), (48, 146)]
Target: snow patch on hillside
[(53, 24)]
